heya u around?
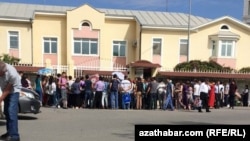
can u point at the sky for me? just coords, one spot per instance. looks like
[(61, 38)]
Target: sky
[(205, 8)]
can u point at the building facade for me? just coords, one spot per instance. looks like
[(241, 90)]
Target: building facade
[(86, 40)]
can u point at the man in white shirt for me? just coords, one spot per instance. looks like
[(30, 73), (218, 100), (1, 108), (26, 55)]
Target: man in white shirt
[(204, 89), (221, 88), (126, 88), (217, 95), (197, 102), (161, 92), (226, 94)]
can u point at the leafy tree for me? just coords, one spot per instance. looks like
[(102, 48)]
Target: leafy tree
[(9, 59)]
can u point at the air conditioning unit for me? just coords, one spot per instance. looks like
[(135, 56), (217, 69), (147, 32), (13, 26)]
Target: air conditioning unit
[(134, 43)]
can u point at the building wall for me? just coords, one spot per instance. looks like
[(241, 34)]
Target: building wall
[(242, 46), (117, 30), (50, 26), (170, 46), (200, 47), (75, 18), (25, 47)]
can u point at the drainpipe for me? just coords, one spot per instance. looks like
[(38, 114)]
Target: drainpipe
[(188, 45), (140, 41), (31, 26)]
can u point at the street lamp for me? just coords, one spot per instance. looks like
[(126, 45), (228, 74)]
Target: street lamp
[(188, 44)]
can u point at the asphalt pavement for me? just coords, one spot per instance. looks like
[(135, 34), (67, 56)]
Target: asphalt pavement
[(54, 124)]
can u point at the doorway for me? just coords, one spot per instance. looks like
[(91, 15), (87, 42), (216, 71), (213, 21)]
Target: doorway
[(147, 73)]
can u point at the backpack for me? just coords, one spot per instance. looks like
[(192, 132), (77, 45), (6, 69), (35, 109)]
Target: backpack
[(88, 85), (115, 85)]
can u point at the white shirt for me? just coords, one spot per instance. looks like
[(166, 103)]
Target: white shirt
[(161, 87), (204, 88), (53, 86), (217, 89), (70, 82), (126, 86), (196, 89), (226, 89), (221, 88)]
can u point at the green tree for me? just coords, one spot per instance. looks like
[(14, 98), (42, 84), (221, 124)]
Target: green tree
[(9, 59)]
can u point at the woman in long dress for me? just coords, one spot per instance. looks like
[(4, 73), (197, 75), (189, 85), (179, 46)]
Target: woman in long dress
[(211, 99)]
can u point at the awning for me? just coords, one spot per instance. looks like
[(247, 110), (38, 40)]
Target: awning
[(143, 64), (205, 75)]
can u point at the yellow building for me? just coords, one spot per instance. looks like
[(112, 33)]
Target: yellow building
[(86, 40)]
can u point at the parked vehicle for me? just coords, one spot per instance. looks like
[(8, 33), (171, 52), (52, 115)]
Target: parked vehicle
[(29, 101)]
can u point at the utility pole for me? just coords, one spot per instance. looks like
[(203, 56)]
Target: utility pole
[(188, 44), (166, 5)]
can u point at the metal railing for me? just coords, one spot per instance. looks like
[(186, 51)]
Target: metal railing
[(204, 71)]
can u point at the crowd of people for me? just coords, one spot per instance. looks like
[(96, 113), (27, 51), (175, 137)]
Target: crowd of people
[(63, 91), (115, 93)]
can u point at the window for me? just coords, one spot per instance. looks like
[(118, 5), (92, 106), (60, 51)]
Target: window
[(50, 45), (85, 46), (157, 46), (85, 24), (224, 27), (119, 48), (226, 48), (184, 47), (14, 39), (214, 48)]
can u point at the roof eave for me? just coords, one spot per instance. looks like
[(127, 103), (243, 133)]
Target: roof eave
[(52, 13), (120, 17), (16, 19), (165, 28)]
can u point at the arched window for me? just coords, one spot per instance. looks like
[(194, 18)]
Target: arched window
[(85, 24), (224, 27)]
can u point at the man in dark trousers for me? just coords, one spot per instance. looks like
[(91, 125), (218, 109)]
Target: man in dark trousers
[(232, 90), (10, 84), (204, 90)]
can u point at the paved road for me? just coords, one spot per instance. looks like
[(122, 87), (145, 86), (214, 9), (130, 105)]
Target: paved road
[(112, 125)]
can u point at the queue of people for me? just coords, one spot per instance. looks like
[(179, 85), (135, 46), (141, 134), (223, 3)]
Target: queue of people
[(115, 93)]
